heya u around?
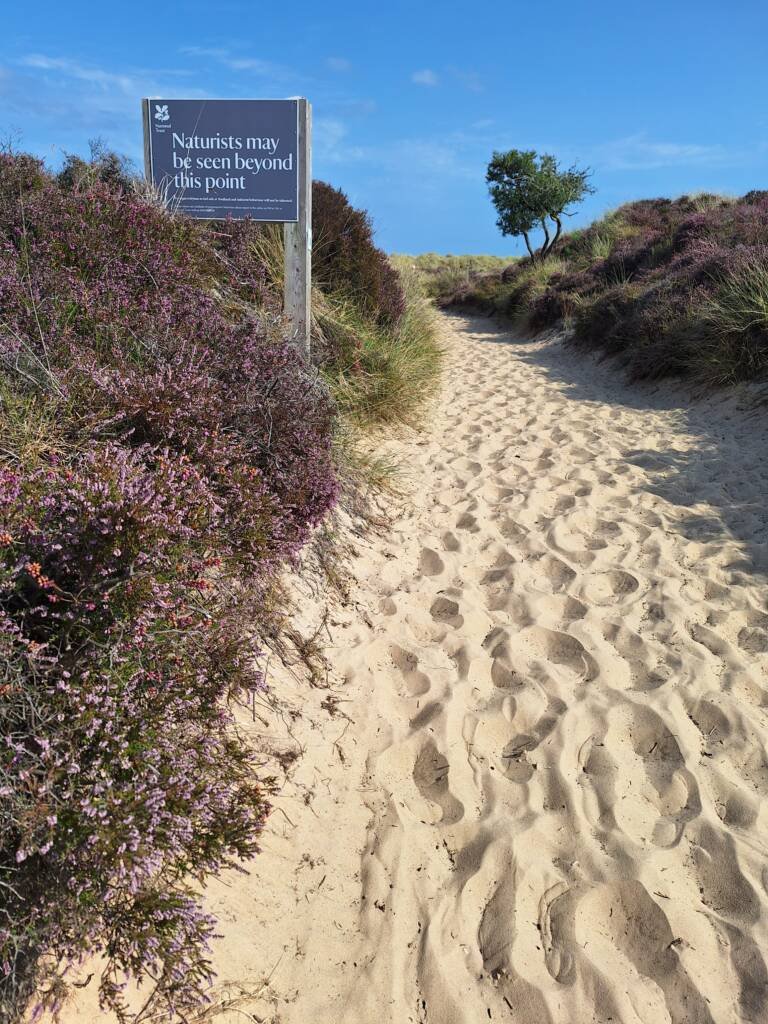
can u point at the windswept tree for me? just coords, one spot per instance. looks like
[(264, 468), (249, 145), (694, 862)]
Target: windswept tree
[(530, 191)]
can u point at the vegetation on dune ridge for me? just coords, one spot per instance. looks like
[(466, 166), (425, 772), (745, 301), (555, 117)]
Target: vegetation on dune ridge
[(439, 274), (164, 454), (667, 287)]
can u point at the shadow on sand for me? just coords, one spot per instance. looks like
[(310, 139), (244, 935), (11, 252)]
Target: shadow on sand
[(726, 466)]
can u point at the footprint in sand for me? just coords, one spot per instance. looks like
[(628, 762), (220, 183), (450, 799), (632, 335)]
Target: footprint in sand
[(430, 563), (467, 466), (504, 674), (416, 683), (569, 609), (646, 671), (753, 638), (745, 686), (467, 521), (512, 531), (722, 884), (552, 503), (561, 649), (551, 574), (750, 971), (712, 641), (498, 585), (507, 729), (638, 780), (517, 765), (728, 734), (580, 456), (556, 908), (451, 542), (445, 609), (609, 587), (496, 494), (734, 805), (430, 773), (625, 933), (496, 933), (529, 651)]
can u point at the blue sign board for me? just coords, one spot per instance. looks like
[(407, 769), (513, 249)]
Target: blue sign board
[(215, 159)]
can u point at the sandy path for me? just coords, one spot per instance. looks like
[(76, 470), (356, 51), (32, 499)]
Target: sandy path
[(549, 801)]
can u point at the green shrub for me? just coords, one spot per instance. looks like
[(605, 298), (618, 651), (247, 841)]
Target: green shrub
[(111, 169)]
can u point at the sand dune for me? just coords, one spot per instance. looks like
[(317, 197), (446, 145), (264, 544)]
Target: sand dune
[(540, 795)]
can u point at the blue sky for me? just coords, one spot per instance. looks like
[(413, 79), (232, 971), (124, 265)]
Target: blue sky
[(411, 98)]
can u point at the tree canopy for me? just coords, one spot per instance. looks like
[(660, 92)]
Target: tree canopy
[(529, 191)]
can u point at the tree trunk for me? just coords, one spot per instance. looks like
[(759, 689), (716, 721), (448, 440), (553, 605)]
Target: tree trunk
[(547, 245), (528, 247), (559, 228)]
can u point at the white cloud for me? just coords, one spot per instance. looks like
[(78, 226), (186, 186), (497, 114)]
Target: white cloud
[(350, 105), (72, 69), (425, 77), (639, 153), (328, 134), (421, 160), (469, 79), (71, 101), (338, 64), (216, 52), (253, 65)]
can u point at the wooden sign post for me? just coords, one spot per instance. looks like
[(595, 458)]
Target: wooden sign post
[(297, 238), (215, 159)]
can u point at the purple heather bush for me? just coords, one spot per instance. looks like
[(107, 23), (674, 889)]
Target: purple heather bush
[(165, 453), (345, 258), (647, 284)]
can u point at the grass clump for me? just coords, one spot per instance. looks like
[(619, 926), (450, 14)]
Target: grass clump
[(380, 374), (740, 303), (380, 367)]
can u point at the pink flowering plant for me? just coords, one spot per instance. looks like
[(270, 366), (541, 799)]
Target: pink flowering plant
[(165, 453)]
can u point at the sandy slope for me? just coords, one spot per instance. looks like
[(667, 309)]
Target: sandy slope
[(547, 800)]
